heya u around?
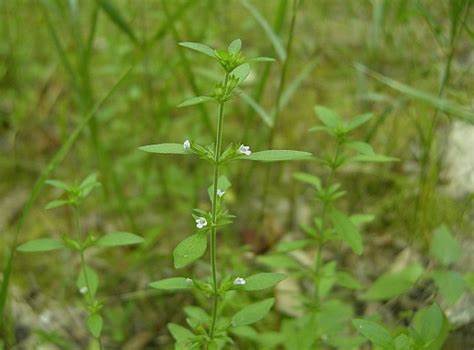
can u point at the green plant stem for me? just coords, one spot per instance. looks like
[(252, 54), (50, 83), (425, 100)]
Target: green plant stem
[(213, 238), (318, 259)]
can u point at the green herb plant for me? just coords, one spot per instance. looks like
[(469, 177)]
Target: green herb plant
[(211, 331), (88, 279), (323, 318), (429, 326)]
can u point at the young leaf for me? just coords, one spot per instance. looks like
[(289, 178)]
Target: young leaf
[(56, 203), (58, 184), (195, 101), (329, 118), (261, 59), (347, 230), (41, 245), (197, 314), (392, 284), (94, 324), (252, 313), (190, 249), (91, 282), (199, 47), (263, 280), (115, 239), (444, 247), (376, 333), (451, 285), (164, 148), (309, 179), (241, 72), (235, 46), (359, 120), (173, 283), (429, 323), (179, 333), (346, 280), (278, 156)]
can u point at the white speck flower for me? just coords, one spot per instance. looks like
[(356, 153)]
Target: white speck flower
[(239, 281), (220, 193), (189, 280), (187, 145), (201, 222), (83, 290), (245, 150)]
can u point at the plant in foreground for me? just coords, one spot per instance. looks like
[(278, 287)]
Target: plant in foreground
[(211, 331), (325, 317), (88, 280)]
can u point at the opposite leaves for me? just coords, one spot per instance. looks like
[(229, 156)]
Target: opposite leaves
[(190, 249)]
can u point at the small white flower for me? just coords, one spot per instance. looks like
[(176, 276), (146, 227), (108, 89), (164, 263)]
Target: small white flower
[(245, 150), (201, 222), (83, 290), (239, 281), (220, 193), (189, 280), (46, 317), (187, 145)]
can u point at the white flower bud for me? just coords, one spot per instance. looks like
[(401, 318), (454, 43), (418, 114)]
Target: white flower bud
[(239, 281), (201, 222), (245, 150)]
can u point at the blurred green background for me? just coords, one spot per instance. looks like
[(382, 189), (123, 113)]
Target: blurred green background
[(59, 58)]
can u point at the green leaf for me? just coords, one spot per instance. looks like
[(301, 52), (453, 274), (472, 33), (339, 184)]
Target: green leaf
[(261, 59), (451, 285), (190, 249), (309, 179), (116, 239), (347, 280), (329, 118), (272, 36), (92, 281), (200, 48), (439, 103), (376, 333), (403, 342), (278, 156), (173, 283), (58, 184), (235, 46), (195, 100), (94, 325), (164, 148), (114, 14), (41, 245), (197, 314), (347, 230), (285, 247), (180, 333), (241, 72), (359, 120), (263, 280), (252, 313), (392, 284), (430, 325), (56, 203), (444, 247)]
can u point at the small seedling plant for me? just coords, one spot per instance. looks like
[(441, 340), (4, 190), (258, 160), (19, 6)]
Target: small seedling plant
[(78, 243), (211, 331), (429, 327), (323, 315)]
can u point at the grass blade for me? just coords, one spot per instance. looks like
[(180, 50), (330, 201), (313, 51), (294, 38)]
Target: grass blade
[(116, 16), (52, 165), (272, 36), (439, 103)]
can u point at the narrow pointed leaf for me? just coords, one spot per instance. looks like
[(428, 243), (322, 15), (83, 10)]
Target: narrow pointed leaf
[(376, 333), (263, 280), (444, 247), (94, 325), (179, 333), (195, 100), (115, 239), (235, 46), (58, 184), (174, 283), (347, 231), (261, 59), (252, 313), (199, 47), (309, 179), (451, 285), (41, 245), (164, 148), (116, 16), (278, 156), (56, 203), (329, 118)]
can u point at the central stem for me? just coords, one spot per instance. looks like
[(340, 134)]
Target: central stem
[(213, 238)]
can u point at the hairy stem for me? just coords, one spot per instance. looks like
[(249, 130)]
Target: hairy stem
[(213, 238)]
